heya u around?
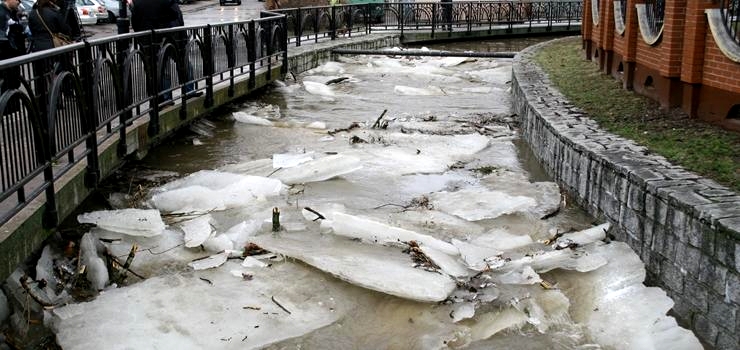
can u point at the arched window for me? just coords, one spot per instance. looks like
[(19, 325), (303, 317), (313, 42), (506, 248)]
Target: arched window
[(730, 12), (595, 11), (650, 18), (620, 13)]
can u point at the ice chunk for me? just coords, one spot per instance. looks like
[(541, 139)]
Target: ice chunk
[(209, 262), (373, 231), (320, 89), (607, 298), (382, 269), (476, 257), (289, 160), (478, 204), (586, 236), (251, 119), (491, 323), (214, 190), (252, 262), (503, 240), (413, 91), (524, 276), (449, 265), (319, 169), (95, 268), (197, 230), (135, 222), (260, 167), (316, 125), (240, 232), (461, 311), (218, 244), (182, 311)]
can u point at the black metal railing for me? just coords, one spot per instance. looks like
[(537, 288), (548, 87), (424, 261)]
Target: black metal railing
[(319, 22), (63, 104), (58, 106), (655, 10), (730, 12)]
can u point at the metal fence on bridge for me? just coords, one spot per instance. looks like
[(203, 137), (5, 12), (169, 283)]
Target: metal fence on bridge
[(58, 106), (70, 100)]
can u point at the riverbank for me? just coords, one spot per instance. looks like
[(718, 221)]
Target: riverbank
[(705, 149)]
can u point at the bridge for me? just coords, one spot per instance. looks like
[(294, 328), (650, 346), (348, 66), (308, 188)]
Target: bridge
[(81, 110)]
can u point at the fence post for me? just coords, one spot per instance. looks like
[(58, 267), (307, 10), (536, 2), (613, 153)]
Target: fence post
[(298, 27), (153, 127), (251, 53), (121, 98), (87, 69), (333, 23), (231, 58), (284, 41), (208, 65)]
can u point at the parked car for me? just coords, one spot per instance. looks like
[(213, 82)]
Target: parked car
[(90, 12), (114, 8), (229, 2)]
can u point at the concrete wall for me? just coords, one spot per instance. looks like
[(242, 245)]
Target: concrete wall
[(685, 228)]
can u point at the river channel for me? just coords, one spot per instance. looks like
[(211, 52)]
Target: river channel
[(427, 228)]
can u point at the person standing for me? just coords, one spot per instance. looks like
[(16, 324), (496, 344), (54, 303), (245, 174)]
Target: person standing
[(159, 14), (46, 14), (12, 42), (446, 14)]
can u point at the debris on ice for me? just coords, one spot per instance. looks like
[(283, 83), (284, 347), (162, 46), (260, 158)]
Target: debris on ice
[(209, 262)]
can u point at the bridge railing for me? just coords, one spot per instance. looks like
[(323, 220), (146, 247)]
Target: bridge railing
[(58, 106), (321, 22)]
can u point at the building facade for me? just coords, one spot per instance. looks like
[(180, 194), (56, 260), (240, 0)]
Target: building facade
[(682, 53)]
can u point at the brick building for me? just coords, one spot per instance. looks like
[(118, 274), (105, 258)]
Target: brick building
[(682, 53)]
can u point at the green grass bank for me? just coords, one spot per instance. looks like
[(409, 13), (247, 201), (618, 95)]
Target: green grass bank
[(705, 149)]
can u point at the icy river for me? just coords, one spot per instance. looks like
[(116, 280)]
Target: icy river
[(409, 218)]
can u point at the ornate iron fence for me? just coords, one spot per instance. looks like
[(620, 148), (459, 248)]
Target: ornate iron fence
[(730, 12), (58, 106), (315, 23)]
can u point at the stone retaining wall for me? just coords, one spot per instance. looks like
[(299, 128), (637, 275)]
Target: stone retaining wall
[(685, 228)]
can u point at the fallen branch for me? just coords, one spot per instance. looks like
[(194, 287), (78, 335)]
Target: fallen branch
[(336, 80), (318, 215), (350, 127), (377, 121), (278, 304)]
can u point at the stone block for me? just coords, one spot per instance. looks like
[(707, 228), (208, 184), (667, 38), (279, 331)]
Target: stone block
[(732, 287), (635, 197), (688, 258), (672, 277), (727, 341), (705, 330), (678, 224), (632, 222), (725, 250), (696, 294), (721, 312), (712, 274)]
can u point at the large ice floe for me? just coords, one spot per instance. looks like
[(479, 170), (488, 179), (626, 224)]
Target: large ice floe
[(419, 231)]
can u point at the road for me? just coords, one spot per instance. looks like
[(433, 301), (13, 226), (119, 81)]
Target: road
[(197, 13)]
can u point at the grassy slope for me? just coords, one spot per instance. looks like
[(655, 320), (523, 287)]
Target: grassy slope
[(705, 149)]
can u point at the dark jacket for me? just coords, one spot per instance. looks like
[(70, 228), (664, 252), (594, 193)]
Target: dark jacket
[(12, 39), (155, 14), (53, 19)]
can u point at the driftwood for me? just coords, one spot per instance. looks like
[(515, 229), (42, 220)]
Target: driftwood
[(318, 215), (377, 121), (278, 304), (350, 127), (336, 80)]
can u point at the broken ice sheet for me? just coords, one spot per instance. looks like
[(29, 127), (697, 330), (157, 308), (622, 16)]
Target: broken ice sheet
[(210, 262), (209, 190), (319, 169), (197, 230), (134, 222), (477, 203), (380, 233), (182, 311), (606, 303), (382, 269), (289, 160)]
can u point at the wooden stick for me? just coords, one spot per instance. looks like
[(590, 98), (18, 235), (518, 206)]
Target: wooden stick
[(278, 304), (377, 122)]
